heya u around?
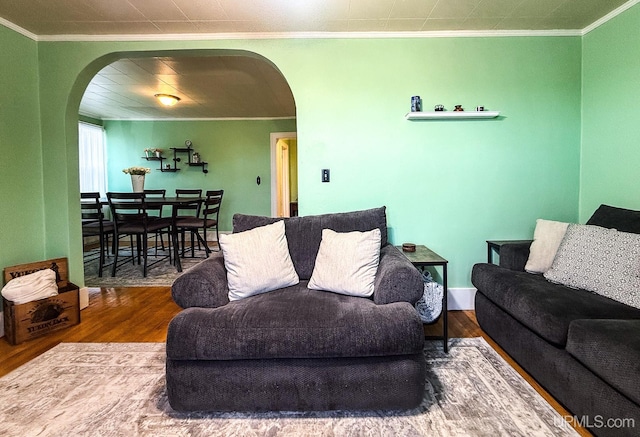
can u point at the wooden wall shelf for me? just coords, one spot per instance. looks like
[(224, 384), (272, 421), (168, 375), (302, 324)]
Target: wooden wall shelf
[(451, 115)]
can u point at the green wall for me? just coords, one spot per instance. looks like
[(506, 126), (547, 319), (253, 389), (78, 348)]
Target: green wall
[(21, 196), (237, 153), (611, 103), (450, 185)]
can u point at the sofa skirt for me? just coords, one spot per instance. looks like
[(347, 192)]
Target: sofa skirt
[(589, 399), (366, 383)]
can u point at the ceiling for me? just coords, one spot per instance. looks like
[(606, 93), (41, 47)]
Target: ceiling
[(246, 87), (208, 86), (157, 17)]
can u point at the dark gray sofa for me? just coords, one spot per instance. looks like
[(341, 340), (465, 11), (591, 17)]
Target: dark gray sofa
[(295, 348), (583, 348)]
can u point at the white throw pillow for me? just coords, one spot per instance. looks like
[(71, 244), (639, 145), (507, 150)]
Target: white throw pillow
[(257, 261), (34, 286), (601, 260), (546, 240), (347, 262)]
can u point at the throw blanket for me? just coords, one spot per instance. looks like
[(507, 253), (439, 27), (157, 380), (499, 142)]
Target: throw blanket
[(430, 304)]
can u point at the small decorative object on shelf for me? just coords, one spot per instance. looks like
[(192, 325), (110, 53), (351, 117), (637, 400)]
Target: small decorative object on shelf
[(416, 104), (195, 158), (459, 108), (479, 108), (439, 108), (152, 152)]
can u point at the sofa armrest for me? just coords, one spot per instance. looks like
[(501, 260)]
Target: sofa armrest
[(397, 280), (204, 285), (514, 256)]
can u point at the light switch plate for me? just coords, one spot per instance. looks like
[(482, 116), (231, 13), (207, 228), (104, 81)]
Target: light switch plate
[(325, 175)]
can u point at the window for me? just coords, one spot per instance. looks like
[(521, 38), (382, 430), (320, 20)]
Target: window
[(93, 158)]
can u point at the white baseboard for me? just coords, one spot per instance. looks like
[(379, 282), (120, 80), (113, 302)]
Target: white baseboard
[(211, 236), (84, 297), (461, 299)]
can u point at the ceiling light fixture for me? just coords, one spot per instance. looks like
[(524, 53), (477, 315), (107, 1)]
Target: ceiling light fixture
[(167, 99)]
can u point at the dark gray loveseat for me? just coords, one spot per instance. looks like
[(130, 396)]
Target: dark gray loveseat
[(295, 348), (583, 348)]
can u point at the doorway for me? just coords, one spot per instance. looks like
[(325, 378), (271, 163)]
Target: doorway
[(284, 174)]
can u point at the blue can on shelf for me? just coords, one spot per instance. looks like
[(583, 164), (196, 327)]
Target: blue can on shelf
[(416, 104)]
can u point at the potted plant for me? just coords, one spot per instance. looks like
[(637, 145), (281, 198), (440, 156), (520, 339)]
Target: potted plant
[(137, 177), (152, 152)]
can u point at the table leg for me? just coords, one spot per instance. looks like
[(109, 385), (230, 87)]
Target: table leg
[(174, 239), (176, 249), (445, 324)]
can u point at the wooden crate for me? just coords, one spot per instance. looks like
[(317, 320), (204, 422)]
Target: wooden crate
[(34, 319)]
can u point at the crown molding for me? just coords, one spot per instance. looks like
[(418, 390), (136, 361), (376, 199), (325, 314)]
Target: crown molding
[(16, 28), (609, 16), (201, 119), (310, 35)]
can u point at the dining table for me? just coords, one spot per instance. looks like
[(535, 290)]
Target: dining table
[(175, 203)]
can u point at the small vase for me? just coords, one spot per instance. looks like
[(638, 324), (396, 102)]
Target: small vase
[(137, 182)]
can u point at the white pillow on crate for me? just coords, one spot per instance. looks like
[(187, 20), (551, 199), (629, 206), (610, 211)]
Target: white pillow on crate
[(34, 286)]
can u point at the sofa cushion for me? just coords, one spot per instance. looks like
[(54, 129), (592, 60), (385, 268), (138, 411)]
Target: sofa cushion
[(611, 350), (544, 307), (257, 261), (624, 220), (347, 262), (601, 260), (546, 240), (305, 233), (295, 322)]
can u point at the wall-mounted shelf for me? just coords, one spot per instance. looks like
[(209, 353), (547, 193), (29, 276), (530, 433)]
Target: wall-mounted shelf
[(200, 164), (451, 115), (176, 159)]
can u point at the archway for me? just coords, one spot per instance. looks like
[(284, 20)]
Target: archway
[(79, 88)]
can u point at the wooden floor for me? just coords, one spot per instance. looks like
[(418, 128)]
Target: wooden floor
[(142, 314)]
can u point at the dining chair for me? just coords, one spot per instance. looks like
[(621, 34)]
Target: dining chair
[(209, 220), (158, 209), (187, 212), (95, 225), (130, 217)]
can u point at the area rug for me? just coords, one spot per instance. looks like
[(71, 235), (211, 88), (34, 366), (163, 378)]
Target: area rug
[(159, 273), (118, 389)]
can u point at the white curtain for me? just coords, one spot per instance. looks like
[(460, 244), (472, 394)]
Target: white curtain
[(93, 158)]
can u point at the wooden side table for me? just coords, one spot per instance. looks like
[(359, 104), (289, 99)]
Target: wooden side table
[(495, 245), (425, 257)]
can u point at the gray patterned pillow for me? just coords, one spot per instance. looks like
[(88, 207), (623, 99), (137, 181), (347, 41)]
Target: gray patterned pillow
[(601, 260)]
